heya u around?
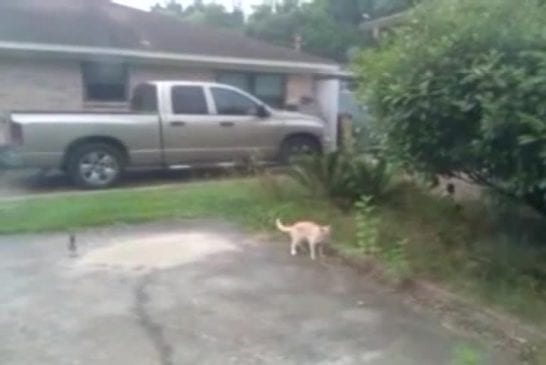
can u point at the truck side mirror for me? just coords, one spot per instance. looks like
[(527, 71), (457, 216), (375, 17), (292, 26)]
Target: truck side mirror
[(262, 111)]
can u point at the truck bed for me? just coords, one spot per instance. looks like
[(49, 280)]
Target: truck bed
[(46, 136)]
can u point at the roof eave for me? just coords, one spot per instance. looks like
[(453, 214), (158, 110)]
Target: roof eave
[(67, 51)]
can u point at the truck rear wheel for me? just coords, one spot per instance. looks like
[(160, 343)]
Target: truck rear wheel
[(95, 165)]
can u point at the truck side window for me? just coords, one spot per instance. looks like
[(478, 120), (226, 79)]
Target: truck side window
[(144, 99), (189, 100), (229, 102)]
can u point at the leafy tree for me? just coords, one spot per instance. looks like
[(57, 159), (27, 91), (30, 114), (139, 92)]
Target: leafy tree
[(206, 14), (287, 6), (268, 24), (320, 32), (172, 7), (355, 11), (349, 12), (328, 28), (461, 91), (387, 7), (215, 15)]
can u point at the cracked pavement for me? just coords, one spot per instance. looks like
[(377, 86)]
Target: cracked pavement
[(239, 301)]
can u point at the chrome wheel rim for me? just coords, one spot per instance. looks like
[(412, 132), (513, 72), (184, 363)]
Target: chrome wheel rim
[(98, 168)]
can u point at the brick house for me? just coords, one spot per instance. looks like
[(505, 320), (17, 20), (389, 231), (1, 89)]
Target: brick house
[(81, 54)]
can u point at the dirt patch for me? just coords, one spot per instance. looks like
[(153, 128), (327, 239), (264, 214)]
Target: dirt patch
[(158, 251)]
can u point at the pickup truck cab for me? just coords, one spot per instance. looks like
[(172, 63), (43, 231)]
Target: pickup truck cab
[(169, 125)]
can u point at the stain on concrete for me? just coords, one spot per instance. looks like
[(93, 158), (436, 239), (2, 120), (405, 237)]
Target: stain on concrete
[(201, 292), (156, 251)]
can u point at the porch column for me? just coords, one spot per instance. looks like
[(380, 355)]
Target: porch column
[(327, 95)]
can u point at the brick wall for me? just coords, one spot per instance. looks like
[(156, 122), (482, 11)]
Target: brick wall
[(39, 84), (57, 85), (298, 86)]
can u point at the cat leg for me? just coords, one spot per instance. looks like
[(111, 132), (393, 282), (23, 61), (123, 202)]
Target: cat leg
[(294, 247), (313, 249), (321, 250)]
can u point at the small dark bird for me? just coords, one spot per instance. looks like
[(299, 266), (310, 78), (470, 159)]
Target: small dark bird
[(72, 248), (450, 189)]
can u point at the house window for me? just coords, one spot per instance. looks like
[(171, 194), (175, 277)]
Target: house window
[(105, 82), (270, 88)]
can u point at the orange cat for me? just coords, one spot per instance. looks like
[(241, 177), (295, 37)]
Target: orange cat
[(312, 233)]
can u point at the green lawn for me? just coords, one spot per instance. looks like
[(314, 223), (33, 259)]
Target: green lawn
[(238, 200)]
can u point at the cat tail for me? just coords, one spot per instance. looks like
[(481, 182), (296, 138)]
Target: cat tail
[(282, 227)]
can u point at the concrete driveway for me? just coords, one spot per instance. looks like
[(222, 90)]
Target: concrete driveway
[(199, 293)]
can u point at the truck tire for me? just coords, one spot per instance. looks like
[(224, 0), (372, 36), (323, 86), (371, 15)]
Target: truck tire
[(297, 146), (95, 165)]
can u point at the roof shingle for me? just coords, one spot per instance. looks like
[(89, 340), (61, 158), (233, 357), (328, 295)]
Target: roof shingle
[(84, 23)]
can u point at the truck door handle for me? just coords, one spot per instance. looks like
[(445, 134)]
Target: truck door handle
[(178, 124), (227, 124)]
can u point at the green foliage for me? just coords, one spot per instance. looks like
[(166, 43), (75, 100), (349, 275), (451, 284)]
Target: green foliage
[(329, 28), (461, 90), (320, 33), (214, 15), (367, 232), (395, 258), (385, 8), (239, 200), (499, 260), (466, 355), (355, 11), (534, 354), (343, 177), (369, 241)]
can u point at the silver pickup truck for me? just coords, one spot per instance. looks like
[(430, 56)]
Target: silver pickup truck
[(170, 124)]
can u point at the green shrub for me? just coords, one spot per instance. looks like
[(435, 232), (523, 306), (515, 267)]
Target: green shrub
[(343, 177), (370, 242), (467, 355), (396, 260), (461, 91), (367, 227)]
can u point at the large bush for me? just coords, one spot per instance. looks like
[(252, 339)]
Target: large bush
[(461, 91)]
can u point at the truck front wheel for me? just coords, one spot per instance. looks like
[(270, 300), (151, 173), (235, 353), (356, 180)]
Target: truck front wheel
[(298, 146), (95, 165)]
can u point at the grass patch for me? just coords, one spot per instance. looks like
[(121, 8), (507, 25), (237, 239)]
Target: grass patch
[(239, 200), (494, 259)]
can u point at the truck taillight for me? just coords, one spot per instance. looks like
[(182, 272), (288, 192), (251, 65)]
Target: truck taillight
[(16, 133)]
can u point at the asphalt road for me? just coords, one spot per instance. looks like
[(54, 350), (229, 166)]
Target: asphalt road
[(200, 293)]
